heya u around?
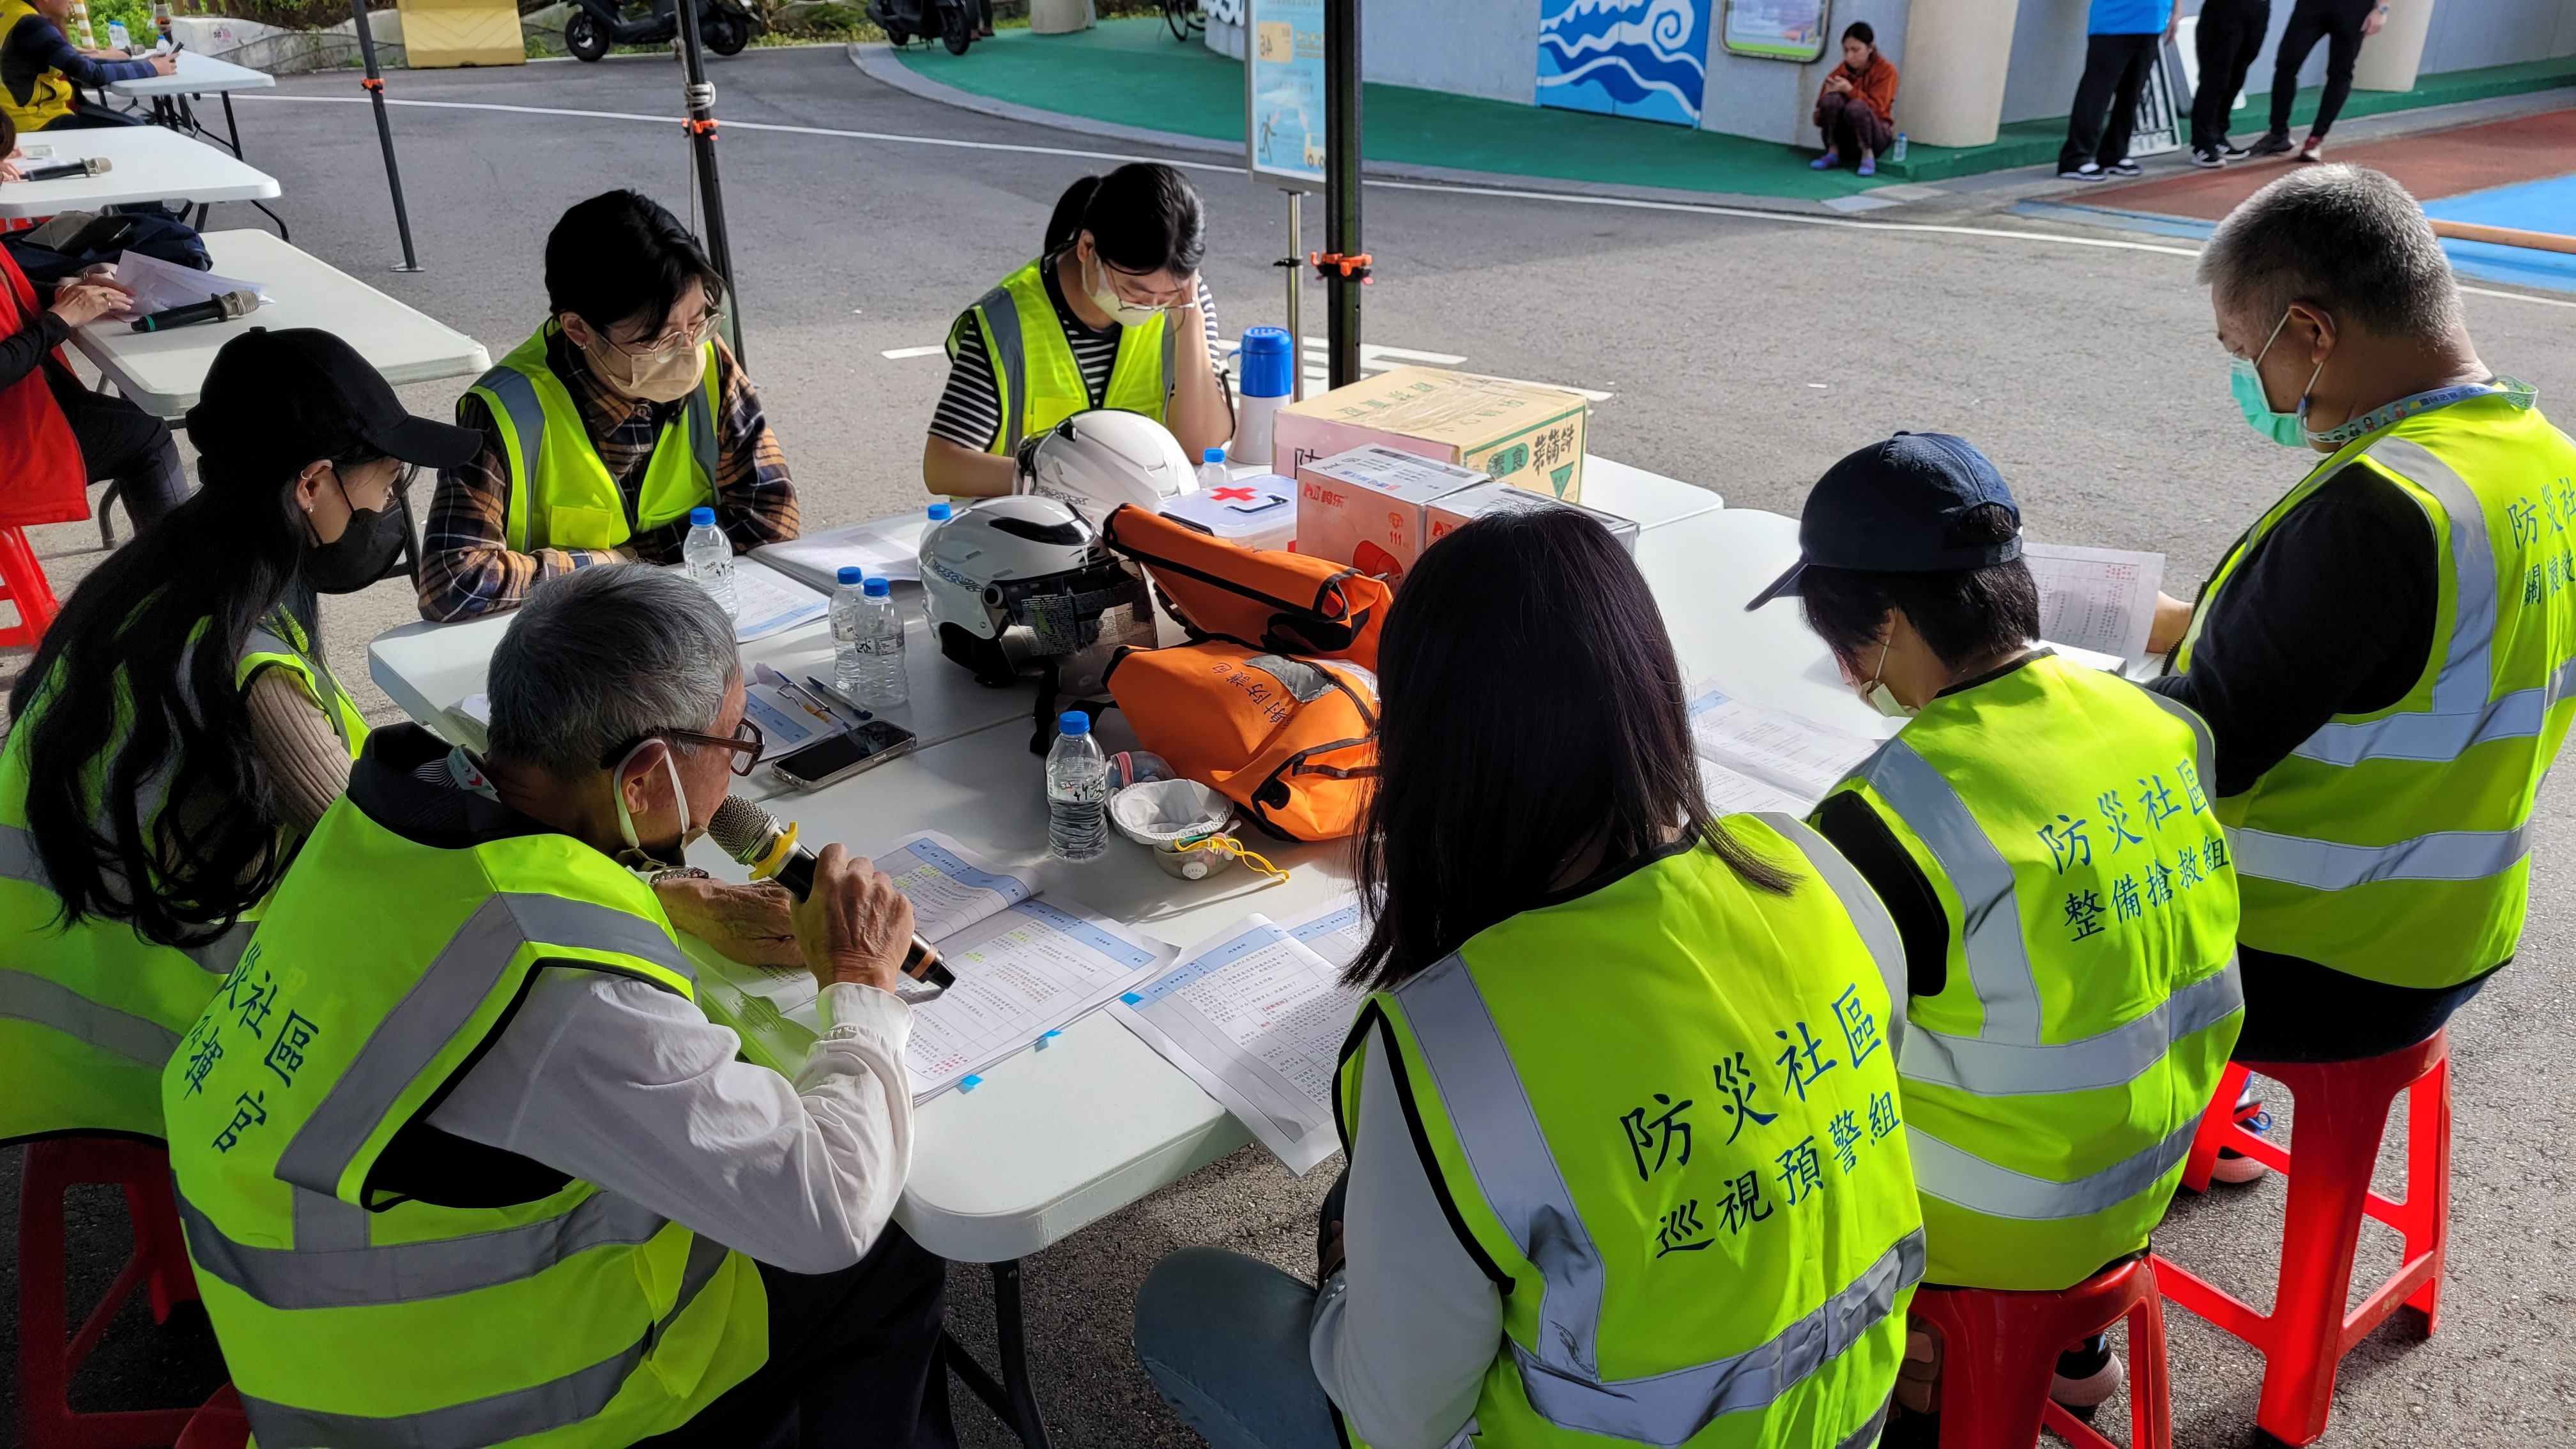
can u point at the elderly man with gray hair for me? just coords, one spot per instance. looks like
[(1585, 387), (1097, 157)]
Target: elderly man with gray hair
[(462, 1160), (2384, 657)]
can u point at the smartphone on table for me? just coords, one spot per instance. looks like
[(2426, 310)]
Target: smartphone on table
[(835, 758)]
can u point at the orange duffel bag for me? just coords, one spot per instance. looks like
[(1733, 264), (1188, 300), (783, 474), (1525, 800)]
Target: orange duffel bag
[(1283, 601), (1292, 741)]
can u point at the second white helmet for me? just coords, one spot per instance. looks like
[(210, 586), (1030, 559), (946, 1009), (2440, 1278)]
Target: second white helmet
[(1101, 459)]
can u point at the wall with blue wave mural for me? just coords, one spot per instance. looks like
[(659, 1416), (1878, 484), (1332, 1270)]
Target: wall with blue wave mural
[(1642, 58)]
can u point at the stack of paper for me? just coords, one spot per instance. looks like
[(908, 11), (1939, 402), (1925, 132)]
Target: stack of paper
[(1257, 1018), (888, 548), (1752, 758), (159, 286), (2097, 599), (768, 602), (1025, 967)]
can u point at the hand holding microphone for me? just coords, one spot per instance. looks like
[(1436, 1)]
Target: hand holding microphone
[(754, 837)]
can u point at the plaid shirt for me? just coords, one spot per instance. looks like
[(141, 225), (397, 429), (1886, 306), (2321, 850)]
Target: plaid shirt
[(468, 569)]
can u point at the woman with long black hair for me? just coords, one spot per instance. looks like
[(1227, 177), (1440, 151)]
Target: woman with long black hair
[(1112, 314), (1620, 1105), (177, 733)]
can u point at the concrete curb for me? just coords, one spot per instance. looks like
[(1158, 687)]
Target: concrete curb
[(876, 60)]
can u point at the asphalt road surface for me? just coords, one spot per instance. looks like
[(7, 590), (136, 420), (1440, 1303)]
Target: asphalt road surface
[(1745, 354)]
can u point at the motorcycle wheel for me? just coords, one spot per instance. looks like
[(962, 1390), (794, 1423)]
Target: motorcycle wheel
[(726, 32), (1176, 14), (955, 30), (585, 37)]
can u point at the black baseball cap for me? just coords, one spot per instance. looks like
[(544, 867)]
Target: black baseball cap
[(276, 400), (1893, 508)]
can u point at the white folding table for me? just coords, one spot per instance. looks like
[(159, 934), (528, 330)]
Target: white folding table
[(199, 76), (147, 163), (161, 371)]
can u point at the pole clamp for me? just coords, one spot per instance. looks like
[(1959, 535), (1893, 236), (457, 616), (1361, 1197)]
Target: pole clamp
[(700, 95), (374, 83), (697, 127), (1331, 264)]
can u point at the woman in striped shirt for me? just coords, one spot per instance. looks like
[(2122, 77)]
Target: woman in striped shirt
[(1112, 315)]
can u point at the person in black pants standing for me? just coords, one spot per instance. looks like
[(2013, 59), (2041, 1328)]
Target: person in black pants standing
[(2123, 39), (2228, 38), (2343, 25)]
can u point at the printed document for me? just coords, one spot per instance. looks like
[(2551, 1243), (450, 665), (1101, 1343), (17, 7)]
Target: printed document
[(888, 548), (1257, 1017), (768, 602), (2101, 599), (159, 285), (1752, 758), (1025, 967)]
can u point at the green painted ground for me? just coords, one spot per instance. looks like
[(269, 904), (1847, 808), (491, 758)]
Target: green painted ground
[(1132, 73)]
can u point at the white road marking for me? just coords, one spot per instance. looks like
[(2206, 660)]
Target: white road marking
[(1790, 218), (898, 354)]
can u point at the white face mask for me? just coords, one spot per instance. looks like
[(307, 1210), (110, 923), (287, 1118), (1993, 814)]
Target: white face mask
[(1106, 298), (1879, 697), (635, 856)]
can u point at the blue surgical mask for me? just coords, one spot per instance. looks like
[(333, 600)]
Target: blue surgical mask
[(2289, 429)]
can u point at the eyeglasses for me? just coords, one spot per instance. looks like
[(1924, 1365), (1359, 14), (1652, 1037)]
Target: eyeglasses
[(1165, 302), (745, 745), (673, 340)]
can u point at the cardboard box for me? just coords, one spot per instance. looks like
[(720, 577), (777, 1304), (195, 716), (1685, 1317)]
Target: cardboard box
[(1371, 507), (1465, 506), (1519, 433)]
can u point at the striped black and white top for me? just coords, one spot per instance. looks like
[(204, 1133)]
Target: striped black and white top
[(970, 409)]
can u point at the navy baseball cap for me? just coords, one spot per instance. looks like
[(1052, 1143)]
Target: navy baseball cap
[(1893, 507)]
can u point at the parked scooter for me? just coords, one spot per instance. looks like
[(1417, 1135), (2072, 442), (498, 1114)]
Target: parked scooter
[(595, 25), (954, 23)]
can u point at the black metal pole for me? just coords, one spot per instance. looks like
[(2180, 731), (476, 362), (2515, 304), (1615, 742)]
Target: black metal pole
[(1342, 190), (375, 84), (700, 98)]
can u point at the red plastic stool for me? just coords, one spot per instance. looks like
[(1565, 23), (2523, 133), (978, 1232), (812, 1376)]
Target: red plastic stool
[(217, 1424), (2342, 1112), (22, 582), (159, 1265), (1999, 1351)]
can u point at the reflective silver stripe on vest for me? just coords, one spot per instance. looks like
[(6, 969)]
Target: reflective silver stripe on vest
[(702, 424), (518, 1414), (18, 858), (2113, 1058), (2326, 866), (2461, 714), (1998, 962), (326, 687), (51, 1004), (1518, 1177), (1008, 353), (218, 956), (522, 414), (1868, 916), (463, 975), (1945, 1172), (332, 1265)]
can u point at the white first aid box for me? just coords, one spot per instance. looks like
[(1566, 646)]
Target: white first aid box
[(1257, 511), (1371, 507)]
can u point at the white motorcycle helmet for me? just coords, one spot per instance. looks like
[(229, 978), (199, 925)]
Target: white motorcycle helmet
[(1101, 459), (1023, 585)]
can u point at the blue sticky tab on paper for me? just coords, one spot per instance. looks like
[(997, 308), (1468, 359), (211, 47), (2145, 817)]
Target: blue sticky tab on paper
[(1049, 1037), (969, 1082), (1132, 999)]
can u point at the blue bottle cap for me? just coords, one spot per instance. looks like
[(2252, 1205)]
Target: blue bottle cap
[(852, 573), (941, 513), (873, 588), (702, 518), (1213, 455), (1073, 722)]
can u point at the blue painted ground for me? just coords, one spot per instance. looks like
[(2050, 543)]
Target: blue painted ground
[(2548, 206)]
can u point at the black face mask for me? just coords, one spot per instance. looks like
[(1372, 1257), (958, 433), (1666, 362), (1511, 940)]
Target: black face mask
[(364, 550)]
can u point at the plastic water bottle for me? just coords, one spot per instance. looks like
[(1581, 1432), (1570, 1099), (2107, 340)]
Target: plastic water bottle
[(1077, 784), (708, 557), (941, 513), (1269, 362), (117, 39), (1212, 472), (1897, 151), (878, 637), (849, 669)]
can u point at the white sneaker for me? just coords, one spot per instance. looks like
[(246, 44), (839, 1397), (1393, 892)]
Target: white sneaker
[(2091, 1389), (2233, 1166), (2086, 172)]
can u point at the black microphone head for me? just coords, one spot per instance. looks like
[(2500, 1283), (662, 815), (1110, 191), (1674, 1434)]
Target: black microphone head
[(743, 830)]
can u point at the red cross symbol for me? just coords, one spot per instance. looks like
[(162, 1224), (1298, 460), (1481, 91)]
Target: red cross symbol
[(1231, 495)]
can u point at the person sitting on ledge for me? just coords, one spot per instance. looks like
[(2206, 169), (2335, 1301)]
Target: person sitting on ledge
[(1856, 109)]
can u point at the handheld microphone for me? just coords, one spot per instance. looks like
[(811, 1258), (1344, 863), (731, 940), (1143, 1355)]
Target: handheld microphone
[(218, 308), (755, 837), (93, 166)]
